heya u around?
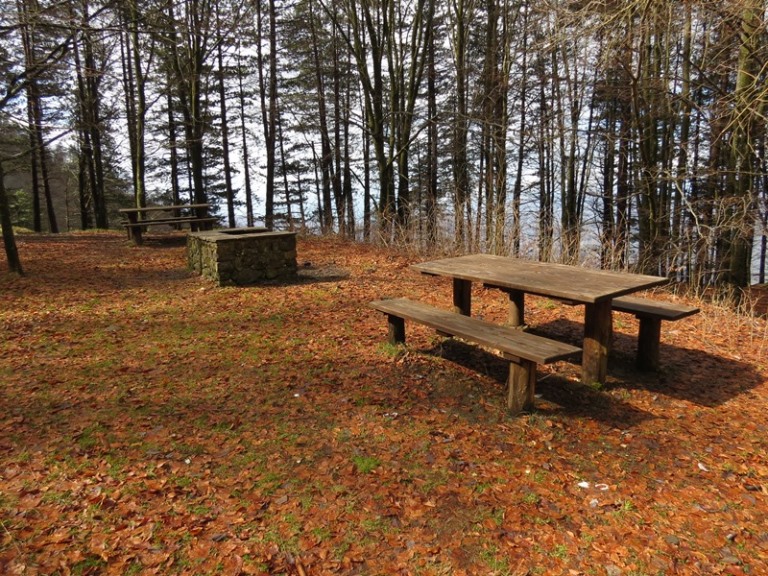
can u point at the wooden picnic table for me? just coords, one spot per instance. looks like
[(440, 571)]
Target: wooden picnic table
[(137, 219), (594, 288)]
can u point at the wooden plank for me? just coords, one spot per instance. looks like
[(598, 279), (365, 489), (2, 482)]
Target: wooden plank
[(168, 221), (179, 220), (586, 285), (135, 228), (508, 340), (641, 307), (651, 313), (163, 208)]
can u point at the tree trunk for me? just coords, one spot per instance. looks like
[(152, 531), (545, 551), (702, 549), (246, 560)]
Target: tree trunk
[(188, 60), (430, 206), (229, 190), (517, 190), (326, 154), (94, 125), (748, 123), (462, 15), (268, 98), (9, 239), (138, 127), (173, 146), (244, 133)]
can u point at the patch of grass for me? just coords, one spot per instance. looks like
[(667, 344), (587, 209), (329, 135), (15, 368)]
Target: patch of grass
[(376, 525), (88, 439), (64, 498), (391, 350), (305, 501), (201, 510), (560, 551), (292, 523), (23, 457), (341, 549), (285, 543), (89, 565), (624, 508), (531, 498), (134, 569), (365, 464), (322, 533), (537, 520), (539, 476), (269, 483), (183, 481), (187, 450), (481, 487), (496, 515), (490, 557)]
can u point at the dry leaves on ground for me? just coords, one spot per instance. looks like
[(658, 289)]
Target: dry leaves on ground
[(153, 423)]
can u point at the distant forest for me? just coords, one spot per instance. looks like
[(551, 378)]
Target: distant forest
[(628, 134)]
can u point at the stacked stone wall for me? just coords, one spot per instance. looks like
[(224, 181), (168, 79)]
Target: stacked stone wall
[(239, 257)]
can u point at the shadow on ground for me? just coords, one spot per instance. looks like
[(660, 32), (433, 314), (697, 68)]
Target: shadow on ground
[(557, 392), (687, 374)]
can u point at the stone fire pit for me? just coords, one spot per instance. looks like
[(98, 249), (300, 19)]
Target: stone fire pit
[(241, 256)]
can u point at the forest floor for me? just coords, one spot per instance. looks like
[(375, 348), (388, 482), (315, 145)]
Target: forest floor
[(154, 423)]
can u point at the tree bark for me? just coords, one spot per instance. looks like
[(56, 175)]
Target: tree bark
[(9, 239)]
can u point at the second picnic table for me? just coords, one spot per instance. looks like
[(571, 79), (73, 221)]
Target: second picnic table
[(196, 215), (596, 289)]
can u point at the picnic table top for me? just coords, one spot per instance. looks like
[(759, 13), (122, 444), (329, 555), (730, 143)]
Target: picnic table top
[(575, 283), (137, 210)]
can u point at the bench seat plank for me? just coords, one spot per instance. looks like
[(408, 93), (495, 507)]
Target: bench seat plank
[(509, 340), (169, 221), (523, 350), (651, 313), (135, 229), (645, 307)]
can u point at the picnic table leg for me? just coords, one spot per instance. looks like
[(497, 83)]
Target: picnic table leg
[(134, 232), (516, 307), (597, 340), (648, 342), (462, 296)]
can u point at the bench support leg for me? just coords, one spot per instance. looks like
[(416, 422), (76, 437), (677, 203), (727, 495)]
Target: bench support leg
[(520, 386), (396, 329), (648, 343)]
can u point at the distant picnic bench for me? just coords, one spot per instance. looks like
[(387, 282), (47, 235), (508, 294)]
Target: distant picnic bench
[(138, 219)]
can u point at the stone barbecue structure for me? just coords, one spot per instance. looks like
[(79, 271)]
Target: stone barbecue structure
[(242, 256)]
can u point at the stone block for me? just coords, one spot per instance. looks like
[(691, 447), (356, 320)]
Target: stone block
[(242, 256)]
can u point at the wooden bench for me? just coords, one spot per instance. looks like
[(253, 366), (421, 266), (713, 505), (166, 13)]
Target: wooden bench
[(522, 349), (650, 313), (196, 215)]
